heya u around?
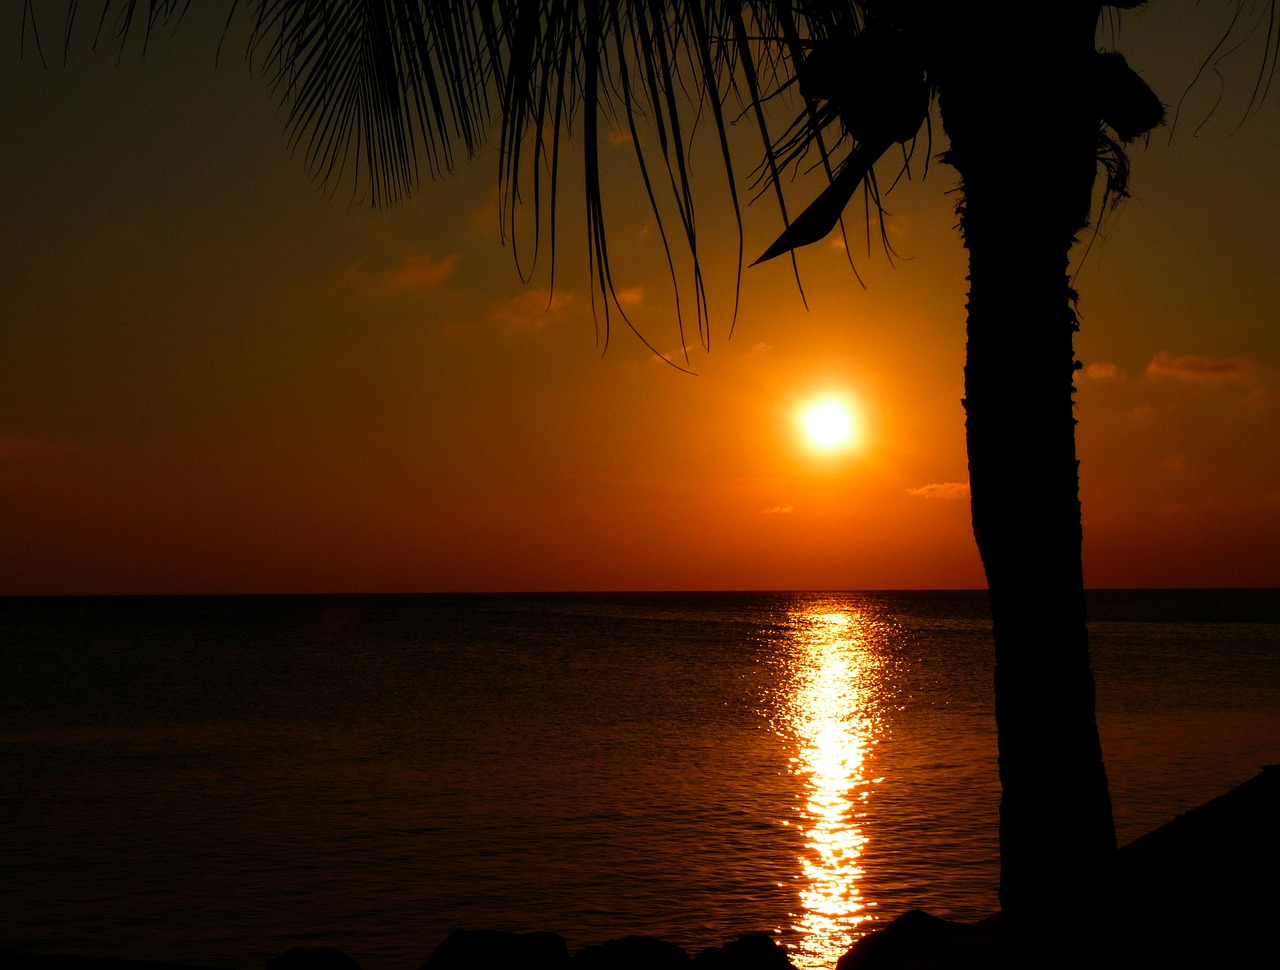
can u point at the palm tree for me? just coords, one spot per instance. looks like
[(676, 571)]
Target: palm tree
[(381, 92)]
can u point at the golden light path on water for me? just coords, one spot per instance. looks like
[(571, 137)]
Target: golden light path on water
[(831, 720)]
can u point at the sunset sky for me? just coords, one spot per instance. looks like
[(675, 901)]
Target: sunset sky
[(216, 378)]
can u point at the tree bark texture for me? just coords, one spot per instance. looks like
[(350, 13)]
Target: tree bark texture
[(1024, 137)]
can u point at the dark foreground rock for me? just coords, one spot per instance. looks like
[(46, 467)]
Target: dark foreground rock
[(492, 950), (11, 959), (632, 953), (483, 949), (313, 958), (1204, 889), (907, 938), (1201, 892), (754, 951)]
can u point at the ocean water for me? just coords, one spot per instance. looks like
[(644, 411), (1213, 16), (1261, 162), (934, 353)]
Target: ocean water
[(218, 779)]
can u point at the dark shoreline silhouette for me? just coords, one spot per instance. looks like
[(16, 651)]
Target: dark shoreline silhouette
[(1199, 891)]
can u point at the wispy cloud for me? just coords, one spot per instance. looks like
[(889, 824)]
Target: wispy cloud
[(415, 272), (1141, 415), (1194, 367), (942, 490), (533, 309), (631, 296), (422, 271), (778, 510), (1102, 371)]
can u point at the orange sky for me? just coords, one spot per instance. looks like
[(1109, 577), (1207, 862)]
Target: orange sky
[(215, 379)]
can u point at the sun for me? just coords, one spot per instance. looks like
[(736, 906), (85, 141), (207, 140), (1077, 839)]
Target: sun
[(829, 424)]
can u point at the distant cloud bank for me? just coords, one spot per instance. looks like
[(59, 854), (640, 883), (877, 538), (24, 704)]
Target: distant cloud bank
[(415, 272), (942, 490), (533, 308), (1194, 367)]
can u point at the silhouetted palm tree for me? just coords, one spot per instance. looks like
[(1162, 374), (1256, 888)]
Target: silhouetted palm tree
[(384, 91)]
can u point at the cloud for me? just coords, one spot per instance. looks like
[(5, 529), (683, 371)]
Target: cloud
[(1194, 367), (942, 490), (679, 359), (485, 218), (1102, 371), (1141, 414), (778, 510), (532, 309), (422, 271), (415, 272), (1175, 463), (631, 296)]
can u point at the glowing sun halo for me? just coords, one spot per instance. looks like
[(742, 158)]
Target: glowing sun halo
[(829, 425)]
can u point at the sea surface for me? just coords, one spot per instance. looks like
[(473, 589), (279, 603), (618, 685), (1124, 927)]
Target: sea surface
[(217, 779)]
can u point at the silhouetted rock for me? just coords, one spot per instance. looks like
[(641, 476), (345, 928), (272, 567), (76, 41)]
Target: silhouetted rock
[(14, 959), (1199, 892), (486, 949), (911, 934), (754, 951), (312, 958), (1202, 890), (632, 953)]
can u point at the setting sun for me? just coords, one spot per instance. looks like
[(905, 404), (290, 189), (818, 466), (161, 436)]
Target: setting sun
[(829, 424)]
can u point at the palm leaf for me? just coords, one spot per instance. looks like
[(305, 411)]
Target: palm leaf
[(381, 93), (822, 214)]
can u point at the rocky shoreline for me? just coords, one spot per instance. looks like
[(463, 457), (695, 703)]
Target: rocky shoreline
[(1202, 891)]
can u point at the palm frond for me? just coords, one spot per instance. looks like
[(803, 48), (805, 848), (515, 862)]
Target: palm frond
[(373, 86), (383, 94), (117, 20)]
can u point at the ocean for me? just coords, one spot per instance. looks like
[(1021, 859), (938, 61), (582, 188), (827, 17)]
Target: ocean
[(217, 779)]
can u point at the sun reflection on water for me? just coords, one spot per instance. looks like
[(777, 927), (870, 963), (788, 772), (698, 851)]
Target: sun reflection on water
[(830, 718)]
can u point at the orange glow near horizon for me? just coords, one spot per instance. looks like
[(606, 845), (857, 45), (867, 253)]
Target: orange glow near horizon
[(302, 394), (835, 733)]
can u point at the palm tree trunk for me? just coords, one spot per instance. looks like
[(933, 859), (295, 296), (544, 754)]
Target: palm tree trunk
[(1056, 832), (1024, 139)]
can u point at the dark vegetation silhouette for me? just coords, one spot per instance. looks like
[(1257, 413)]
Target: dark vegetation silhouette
[(385, 92)]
